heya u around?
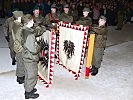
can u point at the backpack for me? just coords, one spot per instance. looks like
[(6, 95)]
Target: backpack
[(17, 45)]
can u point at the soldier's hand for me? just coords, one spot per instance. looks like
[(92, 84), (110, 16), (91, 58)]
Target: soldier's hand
[(41, 59), (7, 38), (52, 21)]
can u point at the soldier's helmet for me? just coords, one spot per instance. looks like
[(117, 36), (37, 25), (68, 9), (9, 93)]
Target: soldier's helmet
[(86, 9)]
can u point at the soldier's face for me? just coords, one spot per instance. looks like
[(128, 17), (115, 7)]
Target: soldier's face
[(53, 10), (30, 23), (36, 13), (101, 22), (19, 19), (66, 10), (85, 14)]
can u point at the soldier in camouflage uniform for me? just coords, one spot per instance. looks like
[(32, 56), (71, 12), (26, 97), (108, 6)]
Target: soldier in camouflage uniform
[(17, 33), (51, 17), (37, 17), (39, 21), (85, 20), (30, 57), (99, 45), (65, 16), (7, 27)]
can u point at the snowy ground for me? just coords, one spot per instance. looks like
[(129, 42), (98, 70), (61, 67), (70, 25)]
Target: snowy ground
[(114, 81)]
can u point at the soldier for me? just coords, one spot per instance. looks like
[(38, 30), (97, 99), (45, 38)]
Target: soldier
[(99, 45), (39, 21), (30, 57), (85, 20), (65, 16), (74, 12), (7, 27), (37, 17), (17, 36), (51, 17)]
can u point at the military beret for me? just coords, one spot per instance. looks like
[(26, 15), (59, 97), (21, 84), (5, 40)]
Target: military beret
[(17, 14), (53, 6), (66, 6), (103, 17), (36, 8), (86, 9), (26, 18)]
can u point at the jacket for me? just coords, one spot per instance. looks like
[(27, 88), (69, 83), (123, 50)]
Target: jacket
[(100, 37), (31, 48)]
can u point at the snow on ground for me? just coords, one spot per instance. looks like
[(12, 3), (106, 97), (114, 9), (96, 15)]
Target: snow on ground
[(113, 82)]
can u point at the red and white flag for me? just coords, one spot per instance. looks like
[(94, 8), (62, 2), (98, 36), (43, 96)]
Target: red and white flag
[(71, 47), (46, 65)]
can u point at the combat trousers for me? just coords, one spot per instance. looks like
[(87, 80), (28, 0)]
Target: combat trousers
[(97, 57), (31, 70), (20, 65)]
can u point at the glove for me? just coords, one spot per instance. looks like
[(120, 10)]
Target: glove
[(7, 38)]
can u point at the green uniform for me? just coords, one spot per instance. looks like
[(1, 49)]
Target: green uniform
[(85, 21), (39, 20), (66, 18), (30, 57), (17, 31), (99, 45), (7, 27), (39, 27), (51, 18)]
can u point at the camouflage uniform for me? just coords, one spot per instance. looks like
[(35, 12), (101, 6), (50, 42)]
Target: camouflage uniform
[(7, 26), (39, 25), (30, 58), (51, 18), (86, 21), (38, 20), (20, 65), (66, 17), (17, 31)]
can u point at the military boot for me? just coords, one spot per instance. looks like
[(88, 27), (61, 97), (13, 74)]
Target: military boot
[(34, 90), (93, 70), (20, 80), (31, 95)]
